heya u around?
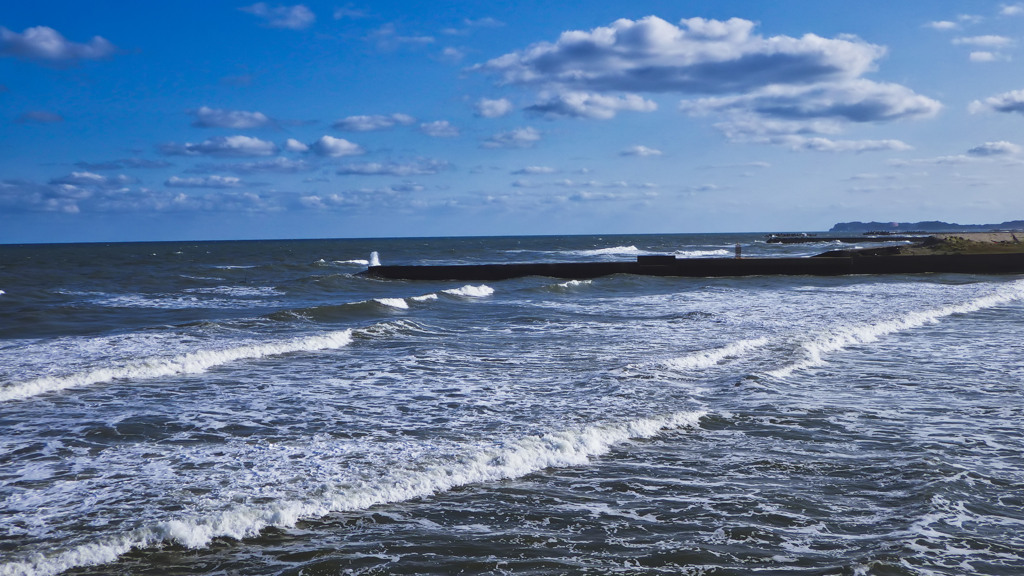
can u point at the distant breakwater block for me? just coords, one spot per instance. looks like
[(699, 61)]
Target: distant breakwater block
[(716, 267)]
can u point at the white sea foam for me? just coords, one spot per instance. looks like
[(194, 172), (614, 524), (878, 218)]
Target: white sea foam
[(471, 291), (425, 297), (575, 283), (416, 480), (843, 337), (702, 253), (709, 358), (355, 262), (613, 251), (190, 363), (393, 302), (2, 292)]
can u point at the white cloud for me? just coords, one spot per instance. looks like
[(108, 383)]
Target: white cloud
[(439, 129), (772, 113), (535, 170), (1001, 148), (335, 147), (487, 108), (293, 145), (204, 182), (421, 168), (1006, 102), (295, 17), (222, 146), (698, 56), (452, 54), (91, 179), (1012, 9), (779, 84), (41, 43), (207, 117), (989, 41), (942, 25), (518, 138), (388, 38), (819, 144), (857, 100), (985, 56), (590, 105), (639, 150), (374, 122)]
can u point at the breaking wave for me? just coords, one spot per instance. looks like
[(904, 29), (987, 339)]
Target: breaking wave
[(190, 363), (492, 463), (837, 339)]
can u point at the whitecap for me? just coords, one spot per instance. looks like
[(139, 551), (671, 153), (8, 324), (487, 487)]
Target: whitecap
[(843, 337), (392, 302), (471, 291), (709, 358), (190, 363), (489, 463)]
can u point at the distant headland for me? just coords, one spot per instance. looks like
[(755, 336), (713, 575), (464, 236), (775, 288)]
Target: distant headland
[(929, 226)]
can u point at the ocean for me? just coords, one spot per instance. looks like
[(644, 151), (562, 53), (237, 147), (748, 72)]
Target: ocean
[(260, 407)]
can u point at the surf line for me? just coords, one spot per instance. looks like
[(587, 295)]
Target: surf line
[(841, 338), (190, 363), (489, 463)]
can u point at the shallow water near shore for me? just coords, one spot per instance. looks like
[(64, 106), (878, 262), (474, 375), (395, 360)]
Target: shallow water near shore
[(261, 408)]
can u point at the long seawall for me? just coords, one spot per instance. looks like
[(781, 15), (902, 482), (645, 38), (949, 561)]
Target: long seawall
[(714, 267)]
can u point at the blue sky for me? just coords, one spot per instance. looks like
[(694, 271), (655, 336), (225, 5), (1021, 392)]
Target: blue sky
[(220, 120)]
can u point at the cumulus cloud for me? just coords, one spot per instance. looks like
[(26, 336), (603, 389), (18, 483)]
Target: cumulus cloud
[(1001, 148), (777, 84), (374, 122), (207, 117), (590, 105), (439, 129), (293, 145), (204, 182), (640, 151), (44, 44), (1012, 101), (774, 111), (518, 138), (942, 25), (222, 146), (487, 108), (420, 168), (335, 147), (857, 100), (295, 17), (39, 117), (1012, 9), (698, 56)]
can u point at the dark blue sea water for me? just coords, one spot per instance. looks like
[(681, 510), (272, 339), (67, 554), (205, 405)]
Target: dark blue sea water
[(262, 408)]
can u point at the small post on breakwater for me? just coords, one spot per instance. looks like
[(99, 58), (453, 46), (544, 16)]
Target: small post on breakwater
[(739, 251)]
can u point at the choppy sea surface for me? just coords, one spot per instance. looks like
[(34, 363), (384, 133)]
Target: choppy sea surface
[(262, 408)]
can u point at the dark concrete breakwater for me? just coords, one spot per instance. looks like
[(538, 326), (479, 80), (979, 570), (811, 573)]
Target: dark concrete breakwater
[(1012, 263)]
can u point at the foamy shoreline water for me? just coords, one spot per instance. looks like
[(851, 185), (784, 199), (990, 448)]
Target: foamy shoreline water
[(321, 420)]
